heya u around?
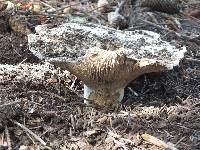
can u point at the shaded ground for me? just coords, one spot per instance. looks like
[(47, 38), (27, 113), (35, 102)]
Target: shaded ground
[(14, 49), (165, 105)]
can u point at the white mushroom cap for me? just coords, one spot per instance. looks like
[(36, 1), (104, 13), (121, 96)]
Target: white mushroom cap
[(105, 59)]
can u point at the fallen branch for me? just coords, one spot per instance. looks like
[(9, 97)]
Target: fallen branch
[(153, 140), (30, 132)]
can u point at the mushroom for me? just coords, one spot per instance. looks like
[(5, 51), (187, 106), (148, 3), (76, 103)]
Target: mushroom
[(105, 59)]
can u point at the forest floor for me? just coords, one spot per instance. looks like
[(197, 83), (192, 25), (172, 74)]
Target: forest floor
[(157, 107)]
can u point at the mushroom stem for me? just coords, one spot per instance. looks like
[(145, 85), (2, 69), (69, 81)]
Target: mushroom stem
[(103, 97), (89, 91)]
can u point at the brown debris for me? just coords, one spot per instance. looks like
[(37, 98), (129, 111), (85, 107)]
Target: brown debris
[(19, 25), (3, 6), (194, 13)]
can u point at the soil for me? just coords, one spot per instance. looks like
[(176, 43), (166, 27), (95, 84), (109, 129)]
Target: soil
[(14, 49), (165, 105)]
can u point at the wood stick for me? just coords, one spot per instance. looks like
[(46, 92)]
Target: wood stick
[(30, 132), (153, 140), (8, 138)]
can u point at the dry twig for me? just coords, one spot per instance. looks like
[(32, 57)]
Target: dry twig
[(193, 60), (116, 136), (8, 138), (153, 140), (9, 104), (30, 132), (168, 30)]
